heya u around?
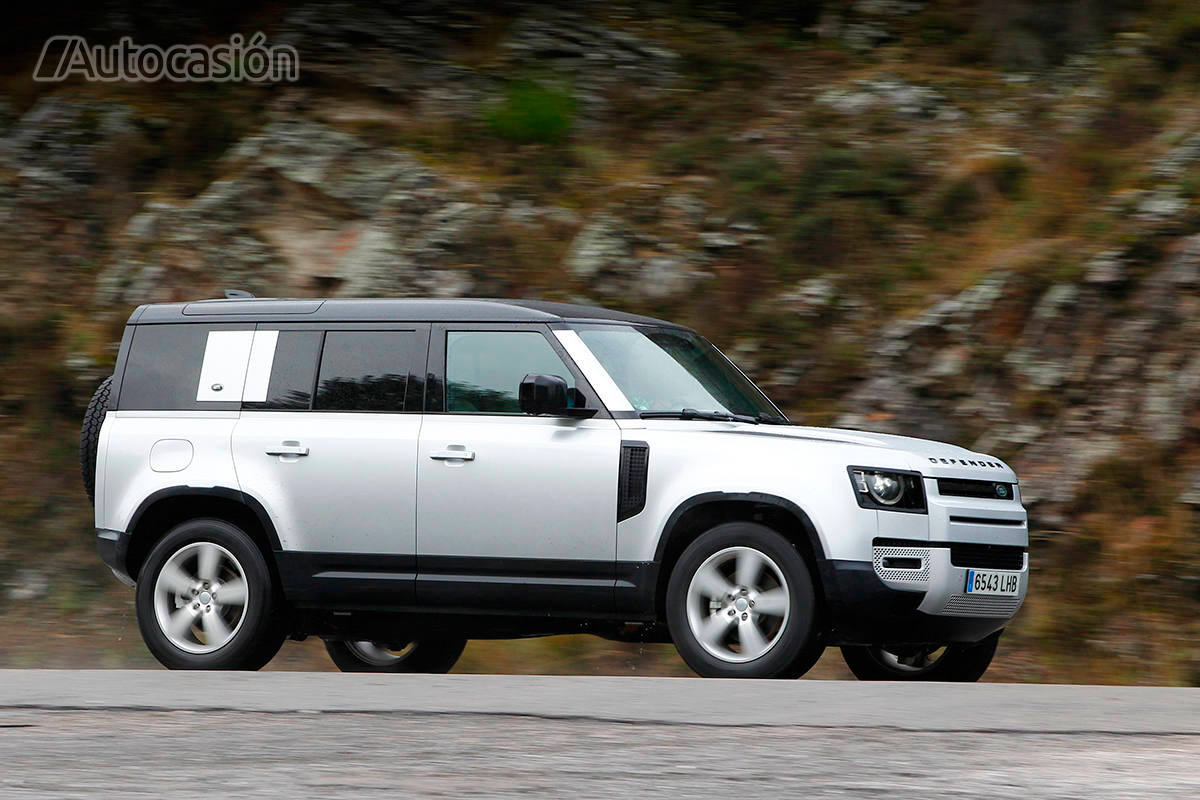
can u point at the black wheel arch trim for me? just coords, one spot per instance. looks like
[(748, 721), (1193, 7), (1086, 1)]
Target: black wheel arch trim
[(646, 598), (223, 492), (759, 498)]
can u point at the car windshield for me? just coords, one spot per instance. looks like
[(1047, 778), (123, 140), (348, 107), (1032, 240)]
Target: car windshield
[(669, 369)]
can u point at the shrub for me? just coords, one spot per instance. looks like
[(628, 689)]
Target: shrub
[(755, 173), (757, 182), (1179, 39), (709, 68), (957, 204), (532, 114), (692, 154), (884, 178), (845, 199), (1009, 174)]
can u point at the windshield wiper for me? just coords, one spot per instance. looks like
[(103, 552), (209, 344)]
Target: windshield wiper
[(772, 419), (691, 413)]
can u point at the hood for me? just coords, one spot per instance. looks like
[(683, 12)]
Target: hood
[(935, 459)]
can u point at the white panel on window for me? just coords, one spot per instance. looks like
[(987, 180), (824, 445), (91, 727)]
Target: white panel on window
[(262, 358), (610, 394), (224, 370)]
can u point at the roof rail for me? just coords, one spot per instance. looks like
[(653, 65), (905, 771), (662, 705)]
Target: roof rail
[(237, 294)]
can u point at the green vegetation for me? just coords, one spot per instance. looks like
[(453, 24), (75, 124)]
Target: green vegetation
[(846, 203), (532, 113)]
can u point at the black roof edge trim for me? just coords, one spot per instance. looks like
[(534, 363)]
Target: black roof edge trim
[(368, 310)]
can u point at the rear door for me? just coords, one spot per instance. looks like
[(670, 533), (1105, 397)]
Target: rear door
[(514, 513), (327, 443)]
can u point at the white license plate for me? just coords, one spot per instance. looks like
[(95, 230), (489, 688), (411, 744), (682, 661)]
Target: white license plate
[(984, 582)]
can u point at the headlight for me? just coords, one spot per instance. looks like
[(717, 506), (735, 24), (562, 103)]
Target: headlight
[(890, 490), (885, 488)]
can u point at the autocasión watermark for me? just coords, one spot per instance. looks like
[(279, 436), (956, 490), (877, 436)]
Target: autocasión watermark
[(251, 60)]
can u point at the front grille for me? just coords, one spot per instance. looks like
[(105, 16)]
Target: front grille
[(961, 487), (967, 605), (987, 556)]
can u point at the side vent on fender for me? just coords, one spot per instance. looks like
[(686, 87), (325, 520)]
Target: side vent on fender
[(631, 483)]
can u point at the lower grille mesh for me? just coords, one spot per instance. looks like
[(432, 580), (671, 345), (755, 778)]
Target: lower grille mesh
[(965, 605)]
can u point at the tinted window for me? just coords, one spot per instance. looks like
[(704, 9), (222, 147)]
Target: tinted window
[(484, 369), (365, 371), (293, 371), (162, 370)]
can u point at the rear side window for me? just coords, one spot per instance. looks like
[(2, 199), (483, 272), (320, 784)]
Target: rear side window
[(365, 370), (163, 371), (293, 371), (484, 369)]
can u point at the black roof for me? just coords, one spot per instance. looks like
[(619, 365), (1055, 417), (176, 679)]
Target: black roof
[(379, 310)]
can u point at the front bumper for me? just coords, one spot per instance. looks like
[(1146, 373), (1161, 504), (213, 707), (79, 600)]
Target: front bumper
[(114, 551), (943, 582), (870, 603)]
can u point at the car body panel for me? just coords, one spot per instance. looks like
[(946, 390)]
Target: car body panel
[(528, 527)]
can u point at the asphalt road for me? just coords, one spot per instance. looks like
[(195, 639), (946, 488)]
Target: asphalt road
[(328, 735)]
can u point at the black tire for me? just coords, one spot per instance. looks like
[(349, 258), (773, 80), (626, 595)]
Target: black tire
[(959, 663), (807, 658), (259, 631), (795, 644), (432, 655), (89, 436)]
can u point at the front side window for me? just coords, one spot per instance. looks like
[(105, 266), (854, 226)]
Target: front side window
[(365, 370), (484, 369), (669, 369)]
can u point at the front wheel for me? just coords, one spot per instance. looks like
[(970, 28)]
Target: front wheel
[(957, 663), (423, 655), (205, 599), (741, 604)]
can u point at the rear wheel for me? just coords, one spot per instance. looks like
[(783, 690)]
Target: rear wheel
[(437, 655), (205, 599), (963, 663), (741, 604)]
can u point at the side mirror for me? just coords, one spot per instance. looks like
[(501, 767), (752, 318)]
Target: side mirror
[(544, 394)]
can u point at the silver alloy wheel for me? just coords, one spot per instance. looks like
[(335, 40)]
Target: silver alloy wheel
[(738, 604), (200, 597), (912, 663), (377, 654)]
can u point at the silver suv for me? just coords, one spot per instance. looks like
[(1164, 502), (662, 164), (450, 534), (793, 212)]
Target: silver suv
[(399, 476)]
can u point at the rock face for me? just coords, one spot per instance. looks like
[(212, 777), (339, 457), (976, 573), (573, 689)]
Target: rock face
[(312, 207), (397, 48), (65, 143), (1055, 377), (1106, 370), (576, 45), (606, 256), (897, 95), (67, 169)]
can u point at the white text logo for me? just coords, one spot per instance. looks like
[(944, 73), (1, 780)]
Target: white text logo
[(253, 61)]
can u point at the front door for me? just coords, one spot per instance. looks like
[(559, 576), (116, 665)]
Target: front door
[(327, 444), (515, 514)]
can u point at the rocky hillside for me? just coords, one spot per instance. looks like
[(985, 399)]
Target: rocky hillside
[(976, 222)]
